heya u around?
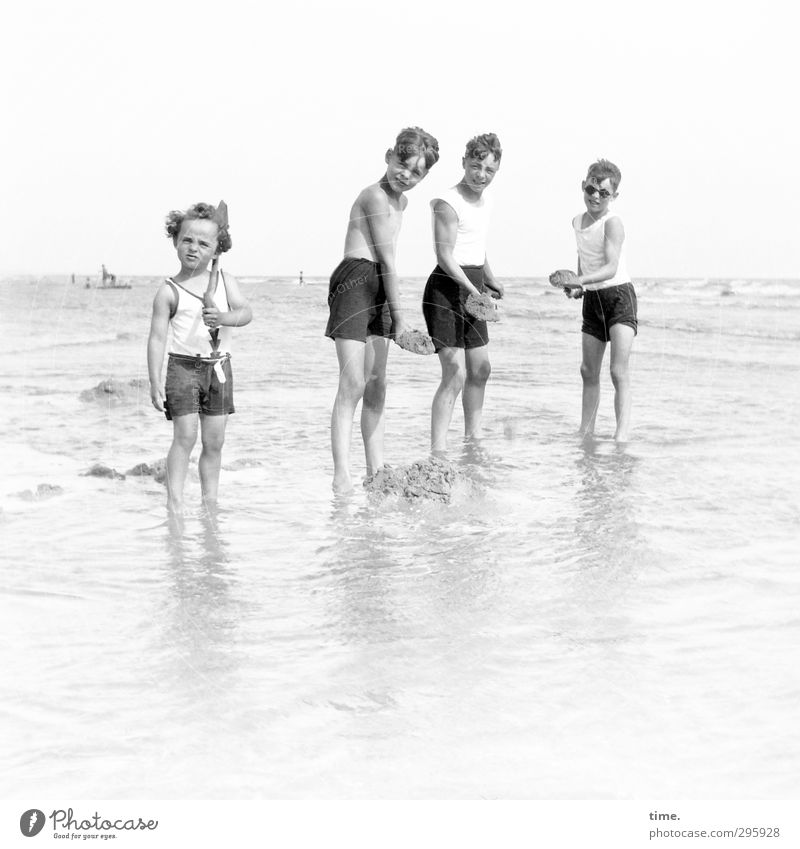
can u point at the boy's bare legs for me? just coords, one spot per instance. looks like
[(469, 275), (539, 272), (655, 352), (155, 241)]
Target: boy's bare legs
[(454, 372), (212, 436), (592, 361), (351, 354), (184, 436), (478, 370), (621, 341), (372, 407)]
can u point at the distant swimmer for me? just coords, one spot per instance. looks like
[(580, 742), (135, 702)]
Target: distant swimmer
[(302, 282), (199, 381), (364, 301), (609, 299)]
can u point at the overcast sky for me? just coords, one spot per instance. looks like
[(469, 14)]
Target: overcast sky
[(117, 113)]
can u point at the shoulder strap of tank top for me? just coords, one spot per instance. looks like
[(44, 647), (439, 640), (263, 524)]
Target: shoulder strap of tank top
[(173, 307), (199, 297), (225, 287)]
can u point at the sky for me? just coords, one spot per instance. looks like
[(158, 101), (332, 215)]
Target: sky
[(117, 113)]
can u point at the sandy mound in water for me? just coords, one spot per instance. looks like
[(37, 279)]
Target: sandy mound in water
[(116, 390), (483, 307), (415, 341), (432, 479)]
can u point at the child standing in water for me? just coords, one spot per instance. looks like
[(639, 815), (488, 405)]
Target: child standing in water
[(199, 382), (460, 227), (609, 299), (363, 300)]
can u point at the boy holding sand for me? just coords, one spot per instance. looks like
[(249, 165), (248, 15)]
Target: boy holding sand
[(460, 228), (609, 299), (199, 382), (363, 301)]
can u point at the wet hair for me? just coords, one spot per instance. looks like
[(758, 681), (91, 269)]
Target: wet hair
[(414, 141), (199, 211), (602, 169), (481, 146)]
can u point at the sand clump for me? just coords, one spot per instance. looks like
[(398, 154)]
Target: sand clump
[(431, 479), (43, 490), (416, 341), (483, 307), (156, 470), (115, 390)]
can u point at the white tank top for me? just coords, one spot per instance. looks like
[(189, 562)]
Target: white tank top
[(473, 226), (190, 336), (592, 254)]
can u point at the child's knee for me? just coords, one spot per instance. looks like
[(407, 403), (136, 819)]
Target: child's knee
[(481, 372), (351, 386), (590, 373), (619, 373), (454, 375), (375, 391), (213, 442), (185, 439)]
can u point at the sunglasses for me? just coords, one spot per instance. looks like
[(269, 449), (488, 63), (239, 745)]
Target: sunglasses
[(593, 190)]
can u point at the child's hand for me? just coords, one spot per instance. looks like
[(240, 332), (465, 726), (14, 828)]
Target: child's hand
[(157, 397), (496, 289), (562, 278), (212, 317), (399, 327)]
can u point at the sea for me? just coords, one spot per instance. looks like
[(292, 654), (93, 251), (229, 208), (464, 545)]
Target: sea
[(580, 621)]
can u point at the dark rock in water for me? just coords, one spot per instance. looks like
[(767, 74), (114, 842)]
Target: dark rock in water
[(432, 479), (116, 390), (44, 490), (98, 470), (158, 470)]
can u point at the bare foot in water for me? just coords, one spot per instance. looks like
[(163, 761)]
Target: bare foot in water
[(342, 485)]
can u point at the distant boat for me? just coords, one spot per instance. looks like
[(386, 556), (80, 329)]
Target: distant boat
[(108, 281)]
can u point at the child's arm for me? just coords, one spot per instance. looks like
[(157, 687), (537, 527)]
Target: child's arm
[(491, 283), (445, 230), (382, 233), (157, 343), (239, 313)]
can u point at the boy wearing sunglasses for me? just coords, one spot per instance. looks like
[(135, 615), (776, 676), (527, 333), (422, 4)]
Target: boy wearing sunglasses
[(609, 299)]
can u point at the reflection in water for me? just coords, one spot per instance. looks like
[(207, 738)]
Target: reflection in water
[(605, 523), (409, 588), (607, 539), (201, 618)]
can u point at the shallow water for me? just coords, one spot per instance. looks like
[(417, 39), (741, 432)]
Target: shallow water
[(580, 621)]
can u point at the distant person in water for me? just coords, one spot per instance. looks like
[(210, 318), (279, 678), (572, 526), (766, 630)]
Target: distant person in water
[(199, 381), (302, 282), (363, 300), (609, 299), (460, 227)]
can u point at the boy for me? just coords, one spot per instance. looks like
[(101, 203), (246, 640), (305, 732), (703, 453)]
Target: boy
[(460, 225), (609, 299), (199, 380), (363, 299)]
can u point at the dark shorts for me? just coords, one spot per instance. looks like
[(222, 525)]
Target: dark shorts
[(357, 301), (443, 307), (606, 307), (193, 387)]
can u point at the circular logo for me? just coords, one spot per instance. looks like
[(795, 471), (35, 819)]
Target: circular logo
[(31, 822)]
